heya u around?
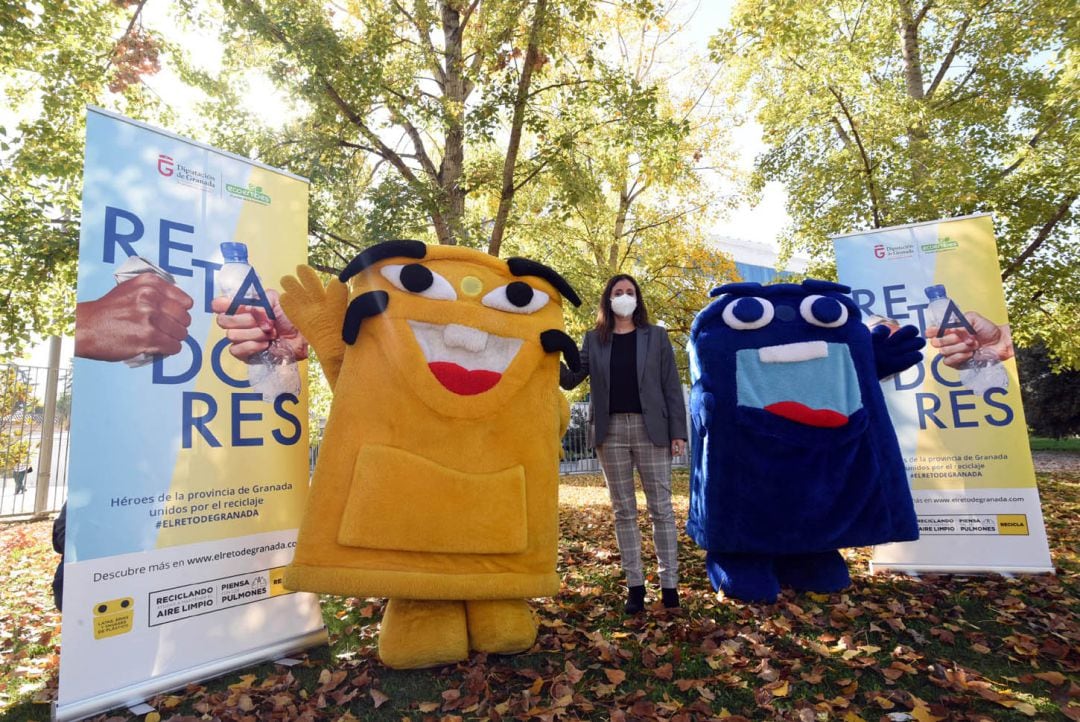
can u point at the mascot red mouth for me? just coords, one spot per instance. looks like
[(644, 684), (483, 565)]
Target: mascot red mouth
[(465, 360), (462, 381), (802, 414)]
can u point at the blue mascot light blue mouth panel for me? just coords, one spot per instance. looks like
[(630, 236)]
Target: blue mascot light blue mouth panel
[(786, 380)]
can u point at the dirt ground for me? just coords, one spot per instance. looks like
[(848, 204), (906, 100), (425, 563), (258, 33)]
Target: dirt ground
[(1056, 460)]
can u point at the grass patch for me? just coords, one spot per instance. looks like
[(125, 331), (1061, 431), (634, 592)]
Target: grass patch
[(1067, 443)]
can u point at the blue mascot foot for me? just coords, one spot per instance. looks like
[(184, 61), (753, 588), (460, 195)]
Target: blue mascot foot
[(822, 572), (748, 577)]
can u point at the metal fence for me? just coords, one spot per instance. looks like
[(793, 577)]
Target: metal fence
[(578, 455), (33, 461)]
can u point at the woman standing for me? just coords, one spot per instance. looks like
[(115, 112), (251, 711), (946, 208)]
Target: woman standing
[(638, 419)]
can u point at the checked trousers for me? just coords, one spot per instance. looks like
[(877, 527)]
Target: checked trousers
[(626, 446)]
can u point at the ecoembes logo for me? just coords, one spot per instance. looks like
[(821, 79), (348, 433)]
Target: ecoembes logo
[(251, 193), (943, 244), (185, 175)]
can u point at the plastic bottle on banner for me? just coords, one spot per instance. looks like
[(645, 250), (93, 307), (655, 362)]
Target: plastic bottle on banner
[(273, 371), (984, 370)]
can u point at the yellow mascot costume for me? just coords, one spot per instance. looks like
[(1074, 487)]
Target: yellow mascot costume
[(437, 479)]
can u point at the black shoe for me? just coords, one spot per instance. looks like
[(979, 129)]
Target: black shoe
[(635, 599), (670, 597)]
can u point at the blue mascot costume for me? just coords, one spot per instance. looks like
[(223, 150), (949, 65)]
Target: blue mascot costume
[(793, 453)]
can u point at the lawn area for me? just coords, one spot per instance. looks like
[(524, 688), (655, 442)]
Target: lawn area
[(1068, 443), (889, 648)]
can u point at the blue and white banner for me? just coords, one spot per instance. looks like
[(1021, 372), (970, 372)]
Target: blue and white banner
[(958, 414), (187, 480)]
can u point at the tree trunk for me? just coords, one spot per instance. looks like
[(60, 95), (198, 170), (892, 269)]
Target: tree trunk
[(620, 228), (909, 47), (913, 78), (506, 198), (453, 160)]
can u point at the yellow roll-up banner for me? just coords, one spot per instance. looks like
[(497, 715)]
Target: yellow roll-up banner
[(958, 414), (189, 451)]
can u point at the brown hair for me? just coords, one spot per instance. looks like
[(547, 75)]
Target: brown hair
[(605, 317)]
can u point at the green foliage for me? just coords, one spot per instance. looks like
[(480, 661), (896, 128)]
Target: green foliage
[(628, 195), (1051, 401), (532, 124), (56, 57), (17, 408), (974, 108)]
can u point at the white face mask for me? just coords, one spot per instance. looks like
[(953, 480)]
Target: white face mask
[(623, 305)]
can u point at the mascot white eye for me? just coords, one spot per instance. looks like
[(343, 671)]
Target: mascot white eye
[(823, 311), (516, 297), (748, 313), (419, 279)]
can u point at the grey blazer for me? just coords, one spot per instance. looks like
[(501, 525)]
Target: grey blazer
[(662, 405)]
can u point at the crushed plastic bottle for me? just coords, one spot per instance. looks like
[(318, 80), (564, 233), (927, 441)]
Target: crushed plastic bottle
[(984, 370), (273, 371)]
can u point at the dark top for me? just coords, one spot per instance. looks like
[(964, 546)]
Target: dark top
[(662, 407), (624, 398)]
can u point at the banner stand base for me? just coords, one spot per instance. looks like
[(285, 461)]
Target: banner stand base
[(134, 695), (916, 570)]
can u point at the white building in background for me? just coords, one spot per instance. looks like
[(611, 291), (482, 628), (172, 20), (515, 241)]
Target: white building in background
[(756, 261)]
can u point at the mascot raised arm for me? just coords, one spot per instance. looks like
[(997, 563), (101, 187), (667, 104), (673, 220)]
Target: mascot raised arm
[(437, 479)]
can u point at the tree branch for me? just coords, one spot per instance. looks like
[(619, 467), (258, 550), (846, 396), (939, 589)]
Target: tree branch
[(949, 57), (532, 174), (357, 146), (1006, 172), (1059, 214), (417, 142), (844, 137), (954, 96), (507, 196), (867, 166), (340, 239), (440, 74), (922, 13), (478, 57), (325, 269), (468, 12), (681, 214), (544, 88), (127, 31), (381, 149)]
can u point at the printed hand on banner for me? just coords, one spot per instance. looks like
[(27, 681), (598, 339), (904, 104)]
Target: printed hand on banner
[(957, 346), (895, 351), (319, 313), (250, 330), (145, 314)]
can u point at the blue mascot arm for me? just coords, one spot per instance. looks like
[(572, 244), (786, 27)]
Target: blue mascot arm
[(896, 352), (702, 404)]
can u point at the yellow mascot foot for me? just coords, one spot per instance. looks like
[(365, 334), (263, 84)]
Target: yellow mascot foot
[(420, 633), (502, 626)]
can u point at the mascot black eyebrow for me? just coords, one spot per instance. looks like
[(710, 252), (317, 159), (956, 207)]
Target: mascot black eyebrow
[(437, 480)]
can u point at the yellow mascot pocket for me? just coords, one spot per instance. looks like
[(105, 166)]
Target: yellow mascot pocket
[(406, 502)]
